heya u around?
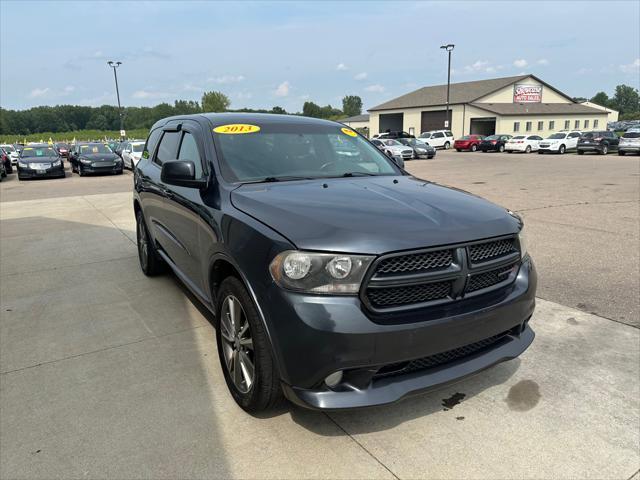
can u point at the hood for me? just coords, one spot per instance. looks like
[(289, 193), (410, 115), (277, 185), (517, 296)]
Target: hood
[(96, 157), (398, 148), (38, 159), (372, 215)]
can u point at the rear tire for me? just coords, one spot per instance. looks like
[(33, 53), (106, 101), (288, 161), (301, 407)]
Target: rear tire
[(458, 150), (240, 353), (620, 153), (580, 152), (447, 145), (501, 148), (151, 263), (605, 149), (474, 148), (528, 149)]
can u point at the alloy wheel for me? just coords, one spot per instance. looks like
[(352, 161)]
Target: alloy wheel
[(237, 344), (143, 244)]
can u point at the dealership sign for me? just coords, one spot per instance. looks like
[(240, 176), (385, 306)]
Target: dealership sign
[(527, 93)]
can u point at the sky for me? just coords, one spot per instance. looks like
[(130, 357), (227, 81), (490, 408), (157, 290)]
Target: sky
[(263, 54)]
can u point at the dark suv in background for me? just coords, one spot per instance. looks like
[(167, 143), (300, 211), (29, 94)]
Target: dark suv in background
[(336, 278), (600, 141)]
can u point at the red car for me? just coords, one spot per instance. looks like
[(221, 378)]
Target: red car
[(468, 142)]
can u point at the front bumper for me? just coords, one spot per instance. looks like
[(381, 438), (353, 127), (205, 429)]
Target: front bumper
[(314, 336), (52, 172), (629, 148), (549, 148), (116, 168)]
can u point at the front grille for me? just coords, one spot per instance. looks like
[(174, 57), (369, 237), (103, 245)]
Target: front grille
[(392, 296), (438, 359), (417, 262), (489, 250), (419, 278), (488, 279), (102, 164)]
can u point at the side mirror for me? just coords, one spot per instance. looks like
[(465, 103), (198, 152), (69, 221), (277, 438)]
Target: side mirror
[(181, 173)]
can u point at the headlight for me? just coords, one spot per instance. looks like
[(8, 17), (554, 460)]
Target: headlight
[(84, 160), (23, 164), (319, 272), (57, 163), (522, 238)]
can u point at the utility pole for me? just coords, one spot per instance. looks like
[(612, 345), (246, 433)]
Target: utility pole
[(115, 65), (449, 47)]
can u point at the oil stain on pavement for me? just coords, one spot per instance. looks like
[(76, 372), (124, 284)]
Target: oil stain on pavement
[(452, 401), (523, 396)]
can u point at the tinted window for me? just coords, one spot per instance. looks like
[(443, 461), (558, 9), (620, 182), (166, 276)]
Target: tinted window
[(552, 125), (516, 126), (29, 152), (94, 148), (567, 124), (528, 126), (519, 137), (449, 134), (152, 141), (632, 135), (189, 151), (595, 123), (573, 135), (437, 135), (168, 147), (540, 125)]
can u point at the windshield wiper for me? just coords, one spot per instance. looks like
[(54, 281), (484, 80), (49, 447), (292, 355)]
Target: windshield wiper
[(359, 174), (282, 178)]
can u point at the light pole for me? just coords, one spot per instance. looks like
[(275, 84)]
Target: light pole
[(449, 47), (115, 65)]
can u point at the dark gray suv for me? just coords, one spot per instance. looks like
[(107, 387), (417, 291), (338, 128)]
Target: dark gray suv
[(336, 278)]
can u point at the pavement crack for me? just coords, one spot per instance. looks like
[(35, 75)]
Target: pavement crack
[(361, 446), (576, 204), (67, 266), (109, 220), (112, 347), (636, 473)]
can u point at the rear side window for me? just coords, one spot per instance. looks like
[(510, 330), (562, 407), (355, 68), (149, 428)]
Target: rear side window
[(152, 141), (189, 151), (632, 135), (168, 148)]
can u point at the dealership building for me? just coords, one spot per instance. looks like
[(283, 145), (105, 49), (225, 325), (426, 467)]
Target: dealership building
[(523, 104)]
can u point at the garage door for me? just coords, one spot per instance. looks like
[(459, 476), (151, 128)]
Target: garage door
[(483, 126), (391, 122), (434, 120)]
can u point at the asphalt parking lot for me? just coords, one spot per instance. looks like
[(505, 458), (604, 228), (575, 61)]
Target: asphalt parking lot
[(105, 373)]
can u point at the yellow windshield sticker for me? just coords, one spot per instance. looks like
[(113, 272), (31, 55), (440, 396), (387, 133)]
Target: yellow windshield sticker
[(348, 131), (27, 149), (236, 128)]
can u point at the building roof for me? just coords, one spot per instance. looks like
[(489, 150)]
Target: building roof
[(356, 118), (537, 108), (464, 92)]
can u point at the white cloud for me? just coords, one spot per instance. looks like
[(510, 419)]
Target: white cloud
[(244, 95), (225, 79), (189, 87), (142, 94), (342, 66), (543, 61), (39, 92), (377, 88), (283, 89), (584, 71), (69, 89), (633, 67), (478, 66), (306, 96), (520, 63), (361, 76)]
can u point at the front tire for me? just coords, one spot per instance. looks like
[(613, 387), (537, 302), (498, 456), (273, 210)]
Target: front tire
[(80, 172), (447, 145), (580, 152), (474, 148), (458, 149), (244, 350), (501, 148), (605, 149), (620, 153), (562, 149), (150, 262)]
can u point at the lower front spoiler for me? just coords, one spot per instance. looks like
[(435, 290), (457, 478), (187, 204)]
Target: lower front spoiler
[(393, 389)]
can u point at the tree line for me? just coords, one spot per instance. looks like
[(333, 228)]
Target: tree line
[(69, 118), (625, 100)]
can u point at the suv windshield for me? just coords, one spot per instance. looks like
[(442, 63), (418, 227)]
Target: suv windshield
[(286, 151), (94, 148), (557, 136), (29, 152)]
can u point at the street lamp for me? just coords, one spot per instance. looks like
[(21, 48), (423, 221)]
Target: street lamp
[(449, 47), (115, 65)]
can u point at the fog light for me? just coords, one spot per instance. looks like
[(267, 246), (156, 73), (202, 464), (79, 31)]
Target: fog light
[(334, 379)]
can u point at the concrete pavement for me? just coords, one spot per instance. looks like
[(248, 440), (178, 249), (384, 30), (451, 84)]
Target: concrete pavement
[(105, 373)]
